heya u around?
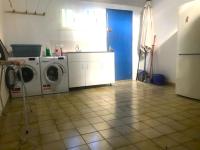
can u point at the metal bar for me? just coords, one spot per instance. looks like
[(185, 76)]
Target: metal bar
[(137, 77), (11, 5), (26, 13), (189, 54), (2, 105), (26, 120)]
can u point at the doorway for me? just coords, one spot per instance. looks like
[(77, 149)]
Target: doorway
[(119, 38)]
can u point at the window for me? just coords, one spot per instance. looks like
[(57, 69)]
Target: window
[(88, 27)]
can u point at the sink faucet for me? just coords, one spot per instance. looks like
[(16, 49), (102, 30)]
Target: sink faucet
[(77, 49)]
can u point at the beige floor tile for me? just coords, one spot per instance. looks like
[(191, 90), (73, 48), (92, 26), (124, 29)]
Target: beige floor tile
[(117, 142), (86, 129), (177, 126), (178, 148), (69, 133), (10, 146), (82, 147), (152, 122), (193, 145), (147, 145), (165, 142), (11, 137), (30, 146), (131, 110), (94, 120), (48, 129), (189, 123), (92, 137), (100, 145), (74, 142), (193, 133), (124, 130), (139, 126), (136, 137), (59, 145), (47, 138), (150, 133), (46, 123), (115, 123), (101, 126), (130, 147), (177, 117), (179, 137), (108, 133), (65, 126), (81, 123), (108, 117), (164, 129)]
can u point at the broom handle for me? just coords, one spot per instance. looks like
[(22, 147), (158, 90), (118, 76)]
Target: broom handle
[(153, 48)]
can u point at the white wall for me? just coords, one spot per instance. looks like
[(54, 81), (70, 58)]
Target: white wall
[(166, 20), (1, 19), (3, 90), (47, 30)]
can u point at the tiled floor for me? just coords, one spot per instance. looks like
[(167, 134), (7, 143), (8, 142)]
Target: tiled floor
[(127, 116)]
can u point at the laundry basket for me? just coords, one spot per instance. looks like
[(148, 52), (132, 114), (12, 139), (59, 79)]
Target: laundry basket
[(26, 50)]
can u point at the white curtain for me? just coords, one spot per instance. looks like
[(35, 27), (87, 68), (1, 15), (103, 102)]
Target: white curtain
[(147, 33)]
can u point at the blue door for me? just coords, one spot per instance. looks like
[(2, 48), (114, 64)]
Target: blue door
[(119, 38)]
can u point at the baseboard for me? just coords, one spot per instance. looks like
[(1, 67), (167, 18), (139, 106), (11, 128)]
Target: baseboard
[(171, 83)]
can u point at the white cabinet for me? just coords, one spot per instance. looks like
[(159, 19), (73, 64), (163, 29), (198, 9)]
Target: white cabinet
[(76, 74), (93, 73), (87, 69)]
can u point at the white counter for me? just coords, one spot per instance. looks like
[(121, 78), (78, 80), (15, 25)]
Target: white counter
[(87, 69)]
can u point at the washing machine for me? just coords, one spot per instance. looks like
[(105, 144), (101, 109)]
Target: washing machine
[(54, 74), (31, 76)]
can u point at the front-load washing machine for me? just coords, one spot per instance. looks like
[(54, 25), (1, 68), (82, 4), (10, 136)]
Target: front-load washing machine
[(54, 74), (31, 76)]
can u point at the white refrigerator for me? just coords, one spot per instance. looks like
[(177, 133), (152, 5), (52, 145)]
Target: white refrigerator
[(188, 61)]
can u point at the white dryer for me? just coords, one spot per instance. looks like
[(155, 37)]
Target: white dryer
[(31, 77), (54, 74)]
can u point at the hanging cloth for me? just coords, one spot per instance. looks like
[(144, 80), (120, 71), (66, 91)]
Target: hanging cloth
[(146, 43), (147, 33)]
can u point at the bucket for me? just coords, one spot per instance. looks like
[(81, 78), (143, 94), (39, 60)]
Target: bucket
[(158, 79)]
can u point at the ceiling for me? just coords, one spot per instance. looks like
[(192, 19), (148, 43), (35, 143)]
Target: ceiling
[(41, 5), (139, 3)]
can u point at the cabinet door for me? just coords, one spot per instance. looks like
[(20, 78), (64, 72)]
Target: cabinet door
[(100, 69), (76, 74), (93, 73), (108, 69)]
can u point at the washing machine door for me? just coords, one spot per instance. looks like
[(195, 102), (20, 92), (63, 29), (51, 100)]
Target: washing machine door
[(53, 74), (28, 73)]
